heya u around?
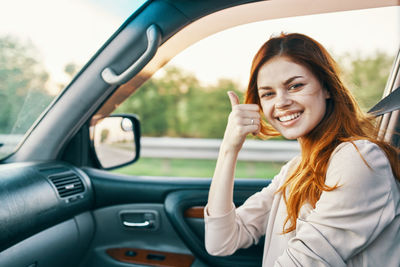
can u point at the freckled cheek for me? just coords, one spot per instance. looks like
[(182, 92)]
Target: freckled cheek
[(266, 109)]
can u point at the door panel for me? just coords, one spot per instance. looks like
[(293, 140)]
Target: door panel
[(182, 206), (174, 206), (111, 233)]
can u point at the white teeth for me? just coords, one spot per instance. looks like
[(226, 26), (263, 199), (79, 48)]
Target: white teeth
[(289, 117)]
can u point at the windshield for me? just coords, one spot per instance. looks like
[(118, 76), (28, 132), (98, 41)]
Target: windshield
[(43, 44)]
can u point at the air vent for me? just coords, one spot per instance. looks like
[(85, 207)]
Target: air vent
[(67, 183)]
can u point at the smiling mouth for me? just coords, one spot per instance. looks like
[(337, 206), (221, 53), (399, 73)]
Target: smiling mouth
[(289, 117)]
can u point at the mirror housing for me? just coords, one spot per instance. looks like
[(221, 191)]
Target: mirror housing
[(116, 140)]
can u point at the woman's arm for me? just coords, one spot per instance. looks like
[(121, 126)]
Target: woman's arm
[(243, 120), (242, 227), (224, 231)]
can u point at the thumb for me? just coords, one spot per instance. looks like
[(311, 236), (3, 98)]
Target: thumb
[(233, 98)]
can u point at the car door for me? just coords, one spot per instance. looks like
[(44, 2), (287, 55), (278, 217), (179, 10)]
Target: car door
[(106, 218)]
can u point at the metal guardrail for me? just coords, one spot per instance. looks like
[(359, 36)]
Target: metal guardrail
[(193, 148)]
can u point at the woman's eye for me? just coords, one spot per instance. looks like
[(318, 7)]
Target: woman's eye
[(296, 86), (267, 94)]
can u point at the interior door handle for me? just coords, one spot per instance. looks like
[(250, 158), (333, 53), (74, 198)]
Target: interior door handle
[(145, 224), (153, 40), (140, 219)]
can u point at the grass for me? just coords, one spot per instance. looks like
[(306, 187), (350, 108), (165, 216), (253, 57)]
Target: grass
[(197, 168)]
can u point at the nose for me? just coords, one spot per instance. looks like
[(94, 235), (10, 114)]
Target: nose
[(283, 100)]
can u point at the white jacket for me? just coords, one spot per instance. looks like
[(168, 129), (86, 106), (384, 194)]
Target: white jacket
[(357, 224)]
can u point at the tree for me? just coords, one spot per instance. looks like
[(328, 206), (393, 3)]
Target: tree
[(71, 69), (22, 86), (175, 104), (209, 108), (151, 108), (161, 103), (366, 76), (104, 135)]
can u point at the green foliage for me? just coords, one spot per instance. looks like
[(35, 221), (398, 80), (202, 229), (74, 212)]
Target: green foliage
[(22, 86), (71, 69), (104, 135), (209, 108), (150, 106), (176, 104), (366, 76)]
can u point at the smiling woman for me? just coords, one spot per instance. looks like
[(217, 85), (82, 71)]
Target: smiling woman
[(310, 214)]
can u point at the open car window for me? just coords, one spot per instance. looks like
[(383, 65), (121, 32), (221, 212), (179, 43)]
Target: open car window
[(184, 105)]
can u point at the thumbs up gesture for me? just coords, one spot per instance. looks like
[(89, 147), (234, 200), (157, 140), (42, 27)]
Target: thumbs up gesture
[(244, 119)]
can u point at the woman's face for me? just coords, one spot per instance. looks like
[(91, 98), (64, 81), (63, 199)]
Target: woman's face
[(291, 96)]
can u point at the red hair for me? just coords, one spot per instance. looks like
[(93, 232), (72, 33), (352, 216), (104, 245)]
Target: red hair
[(343, 121)]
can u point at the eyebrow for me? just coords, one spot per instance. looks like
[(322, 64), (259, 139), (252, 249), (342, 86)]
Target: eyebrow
[(288, 81)]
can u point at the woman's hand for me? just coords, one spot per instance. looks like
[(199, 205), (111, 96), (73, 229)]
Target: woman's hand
[(243, 120)]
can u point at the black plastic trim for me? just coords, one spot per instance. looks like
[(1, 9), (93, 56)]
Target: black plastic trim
[(114, 189), (175, 205), (30, 203)]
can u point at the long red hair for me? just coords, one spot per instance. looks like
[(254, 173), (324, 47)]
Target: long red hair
[(343, 121)]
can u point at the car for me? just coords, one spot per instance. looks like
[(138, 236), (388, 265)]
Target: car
[(61, 203)]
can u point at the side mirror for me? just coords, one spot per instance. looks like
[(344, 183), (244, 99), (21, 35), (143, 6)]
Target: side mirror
[(116, 140)]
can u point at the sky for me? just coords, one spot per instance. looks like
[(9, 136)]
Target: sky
[(91, 22), (354, 32)]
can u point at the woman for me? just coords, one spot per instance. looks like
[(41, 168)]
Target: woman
[(335, 205)]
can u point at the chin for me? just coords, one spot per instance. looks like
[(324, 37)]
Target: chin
[(291, 136)]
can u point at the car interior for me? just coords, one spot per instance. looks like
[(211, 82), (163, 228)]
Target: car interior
[(60, 203)]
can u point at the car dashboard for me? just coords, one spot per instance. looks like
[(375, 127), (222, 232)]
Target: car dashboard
[(44, 219)]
